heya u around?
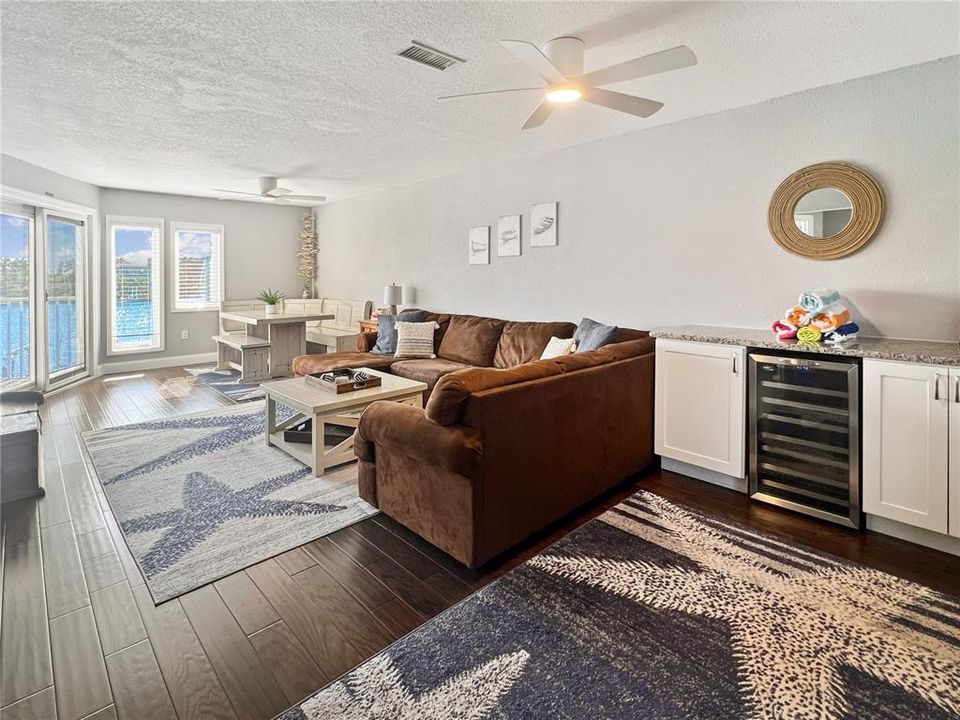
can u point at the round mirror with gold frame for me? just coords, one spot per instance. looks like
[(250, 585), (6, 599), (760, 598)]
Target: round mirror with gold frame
[(825, 211)]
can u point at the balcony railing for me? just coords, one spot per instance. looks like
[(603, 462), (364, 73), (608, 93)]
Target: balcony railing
[(62, 327)]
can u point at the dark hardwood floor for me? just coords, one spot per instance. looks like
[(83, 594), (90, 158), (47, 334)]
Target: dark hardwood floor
[(81, 638)]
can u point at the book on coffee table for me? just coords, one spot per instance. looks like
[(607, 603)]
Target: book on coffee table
[(343, 381)]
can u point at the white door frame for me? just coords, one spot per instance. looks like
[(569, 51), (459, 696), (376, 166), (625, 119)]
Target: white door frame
[(44, 382), (90, 217), (16, 209)]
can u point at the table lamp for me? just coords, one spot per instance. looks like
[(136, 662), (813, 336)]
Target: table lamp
[(392, 296)]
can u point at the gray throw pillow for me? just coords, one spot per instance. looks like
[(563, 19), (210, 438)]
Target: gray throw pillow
[(591, 335), (387, 330)]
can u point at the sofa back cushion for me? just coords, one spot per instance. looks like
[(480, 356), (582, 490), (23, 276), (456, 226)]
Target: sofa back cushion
[(452, 391), (471, 340), (522, 342), (451, 395)]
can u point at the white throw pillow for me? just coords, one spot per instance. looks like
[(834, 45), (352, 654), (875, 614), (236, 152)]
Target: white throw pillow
[(415, 339), (558, 347)]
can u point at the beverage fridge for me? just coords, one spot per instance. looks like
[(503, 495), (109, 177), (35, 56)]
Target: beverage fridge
[(804, 434)]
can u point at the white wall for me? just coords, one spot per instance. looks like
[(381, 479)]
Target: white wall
[(260, 245), (668, 225), (24, 176)]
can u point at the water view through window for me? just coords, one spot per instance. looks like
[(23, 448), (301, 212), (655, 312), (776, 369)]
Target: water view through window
[(14, 297), (136, 287), (61, 286)]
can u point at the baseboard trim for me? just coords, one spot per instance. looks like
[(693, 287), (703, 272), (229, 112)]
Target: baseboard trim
[(125, 366), (918, 536), (699, 473)]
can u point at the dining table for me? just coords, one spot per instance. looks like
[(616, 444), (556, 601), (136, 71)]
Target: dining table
[(286, 333)]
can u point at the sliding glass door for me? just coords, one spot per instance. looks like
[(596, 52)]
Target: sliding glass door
[(17, 306), (64, 251), (43, 328)]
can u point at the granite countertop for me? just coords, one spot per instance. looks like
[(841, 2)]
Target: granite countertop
[(918, 351)]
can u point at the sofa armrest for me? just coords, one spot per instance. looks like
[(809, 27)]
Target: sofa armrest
[(366, 341), (554, 443), (391, 427)]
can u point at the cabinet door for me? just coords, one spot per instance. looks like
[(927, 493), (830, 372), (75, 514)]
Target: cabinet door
[(905, 443), (954, 402), (700, 405)]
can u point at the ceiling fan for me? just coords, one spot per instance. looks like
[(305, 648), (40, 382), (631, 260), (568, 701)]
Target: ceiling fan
[(560, 63), (270, 190)]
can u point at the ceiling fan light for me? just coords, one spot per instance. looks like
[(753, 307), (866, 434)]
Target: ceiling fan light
[(563, 94)]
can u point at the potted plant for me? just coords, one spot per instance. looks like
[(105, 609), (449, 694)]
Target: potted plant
[(272, 300)]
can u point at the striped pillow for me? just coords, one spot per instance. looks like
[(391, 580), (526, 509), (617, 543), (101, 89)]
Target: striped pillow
[(415, 339)]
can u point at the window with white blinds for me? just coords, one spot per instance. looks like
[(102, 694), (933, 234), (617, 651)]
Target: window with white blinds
[(136, 284), (197, 266)]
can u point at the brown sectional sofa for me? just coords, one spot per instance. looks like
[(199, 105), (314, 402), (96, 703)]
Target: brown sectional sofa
[(507, 443)]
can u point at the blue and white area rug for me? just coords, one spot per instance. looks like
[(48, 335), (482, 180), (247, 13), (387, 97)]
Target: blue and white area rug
[(227, 382), (201, 496), (656, 611)]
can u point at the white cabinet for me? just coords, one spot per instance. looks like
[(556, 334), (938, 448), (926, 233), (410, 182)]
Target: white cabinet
[(907, 411), (954, 459), (700, 405)]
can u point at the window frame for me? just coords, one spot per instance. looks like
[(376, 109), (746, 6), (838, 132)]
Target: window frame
[(175, 227), (157, 224)]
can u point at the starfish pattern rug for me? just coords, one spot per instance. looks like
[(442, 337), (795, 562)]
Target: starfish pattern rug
[(654, 610), (226, 382), (201, 496)]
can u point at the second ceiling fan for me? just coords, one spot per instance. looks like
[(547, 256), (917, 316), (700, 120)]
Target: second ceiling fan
[(560, 63)]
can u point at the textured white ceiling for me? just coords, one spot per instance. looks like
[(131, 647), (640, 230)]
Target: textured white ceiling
[(182, 97)]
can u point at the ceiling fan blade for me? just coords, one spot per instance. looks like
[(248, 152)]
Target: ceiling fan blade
[(624, 103), (318, 198), (659, 62), (488, 92), (248, 197), (539, 116), (235, 192), (278, 191), (530, 55)]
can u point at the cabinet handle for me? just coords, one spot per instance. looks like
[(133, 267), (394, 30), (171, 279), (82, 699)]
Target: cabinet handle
[(734, 364), (956, 395), (936, 386)]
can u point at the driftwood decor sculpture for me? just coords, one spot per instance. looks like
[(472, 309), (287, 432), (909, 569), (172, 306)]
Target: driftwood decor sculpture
[(307, 254)]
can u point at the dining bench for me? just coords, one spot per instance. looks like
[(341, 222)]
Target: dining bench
[(238, 350)]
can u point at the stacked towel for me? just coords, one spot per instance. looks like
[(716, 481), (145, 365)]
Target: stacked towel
[(841, 334), (797, 316), (808, 335), (817, 317), (830, 318), (817, 300), (784, 330)]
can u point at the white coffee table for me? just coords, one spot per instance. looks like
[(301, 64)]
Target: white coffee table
[(328, 408)]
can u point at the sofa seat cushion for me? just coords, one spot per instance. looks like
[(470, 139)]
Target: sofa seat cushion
[(450, 396), (426, 370), (325, 362), (471, 340), (522, 342)]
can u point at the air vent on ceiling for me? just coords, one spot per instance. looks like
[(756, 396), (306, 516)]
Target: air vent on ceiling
[(431, 57)]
